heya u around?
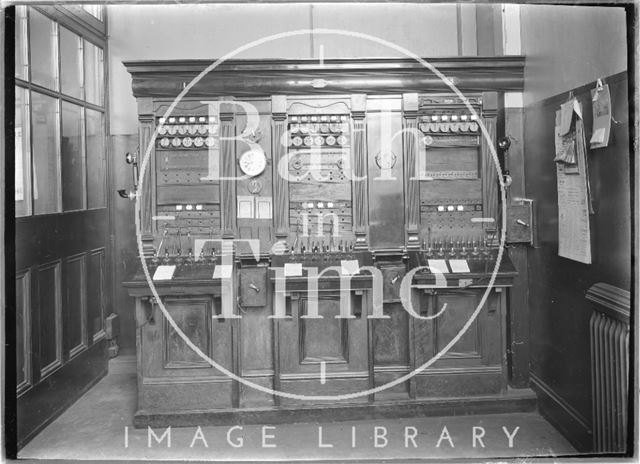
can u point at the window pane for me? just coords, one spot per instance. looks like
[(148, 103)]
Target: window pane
[(70, 63), (21, 42), (93, 80), (22, 158), (42, 45), (96, 169), (94, 10), (71, 158), (46, 173)]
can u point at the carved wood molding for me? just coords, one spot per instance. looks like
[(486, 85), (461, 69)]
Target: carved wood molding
[(228, 173), (359, 182), (280, 182), (489, 171), (610, 300), (269, 77), (412, 184), (146, 123)]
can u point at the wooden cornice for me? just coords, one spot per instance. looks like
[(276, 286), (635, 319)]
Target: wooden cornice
[(242, 78)]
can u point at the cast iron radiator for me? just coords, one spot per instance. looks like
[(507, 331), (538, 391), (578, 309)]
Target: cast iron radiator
[(609, 366)]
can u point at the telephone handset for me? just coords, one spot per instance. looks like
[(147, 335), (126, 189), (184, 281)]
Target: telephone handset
[(132, 159)]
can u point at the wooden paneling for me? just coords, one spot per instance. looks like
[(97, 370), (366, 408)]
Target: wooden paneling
[(460, 307), (304, 343), (228, 172), (386, 193), (23, 331), (489, 169), (391, 337), (95, 293), (359, 182), (278, 154), (474, 364), (557, 286), (323, 339), (410, 155), (49, 317), (193, 317), (75, 304)]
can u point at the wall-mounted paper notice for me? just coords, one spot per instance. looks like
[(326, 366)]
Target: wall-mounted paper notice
[(601, 104), (164, 273), (349, 266), (292, 269), (222, 271), (438, 266), (459, 265)]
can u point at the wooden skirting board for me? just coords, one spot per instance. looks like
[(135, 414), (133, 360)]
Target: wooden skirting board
[(520, 400)]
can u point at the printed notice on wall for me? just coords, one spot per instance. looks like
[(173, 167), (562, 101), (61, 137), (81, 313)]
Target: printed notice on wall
[(601, 103), (574, 234)]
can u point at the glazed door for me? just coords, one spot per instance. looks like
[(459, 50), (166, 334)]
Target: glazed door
[(327, 356), (62, 225)]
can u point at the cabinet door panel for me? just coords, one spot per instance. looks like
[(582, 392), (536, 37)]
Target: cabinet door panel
[(193, 318), (459, 309)]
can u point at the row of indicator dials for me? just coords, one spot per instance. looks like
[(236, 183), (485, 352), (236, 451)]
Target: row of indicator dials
[(319, 128), (187, 119), (319, 141), (449, 127), (189, 129), (452, 208), (319, 118), (320, 204), (448, 117), (187, 142)]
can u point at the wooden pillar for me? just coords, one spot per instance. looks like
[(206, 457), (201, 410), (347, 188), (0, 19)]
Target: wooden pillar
[(360, 181), (228, 172), (412, 184), (280, 176), (147, 192), (489, 169)]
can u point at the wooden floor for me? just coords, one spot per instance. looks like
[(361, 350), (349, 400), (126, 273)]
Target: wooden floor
[(94, 428)]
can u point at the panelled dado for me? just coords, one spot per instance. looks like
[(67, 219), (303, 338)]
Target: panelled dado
[(318, 201)]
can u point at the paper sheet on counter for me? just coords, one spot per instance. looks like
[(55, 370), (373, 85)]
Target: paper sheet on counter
[(459, 265), (292, 269), (222, 271), (438, 266), (164, 272)]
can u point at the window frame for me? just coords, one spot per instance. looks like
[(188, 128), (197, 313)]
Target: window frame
[(66, 17)]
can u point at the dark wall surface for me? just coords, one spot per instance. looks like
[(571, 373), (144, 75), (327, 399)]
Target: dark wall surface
[(125, 248), (560, 349)]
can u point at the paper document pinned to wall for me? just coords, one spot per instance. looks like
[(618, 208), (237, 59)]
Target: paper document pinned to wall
[(601, 103), (574, 234)]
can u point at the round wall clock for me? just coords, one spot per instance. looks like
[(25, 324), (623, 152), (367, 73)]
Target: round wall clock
[(252, 162)]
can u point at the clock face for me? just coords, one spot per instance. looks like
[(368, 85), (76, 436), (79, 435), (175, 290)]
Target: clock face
[(252, 163)]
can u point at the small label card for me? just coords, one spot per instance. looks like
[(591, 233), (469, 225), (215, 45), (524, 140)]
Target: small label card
[(292, 269), (164, 272), (459, 265), (349, 266), (438, 266), (222, 271)]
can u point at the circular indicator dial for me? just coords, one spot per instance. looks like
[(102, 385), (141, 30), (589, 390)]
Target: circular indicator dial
[(252, 163)]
